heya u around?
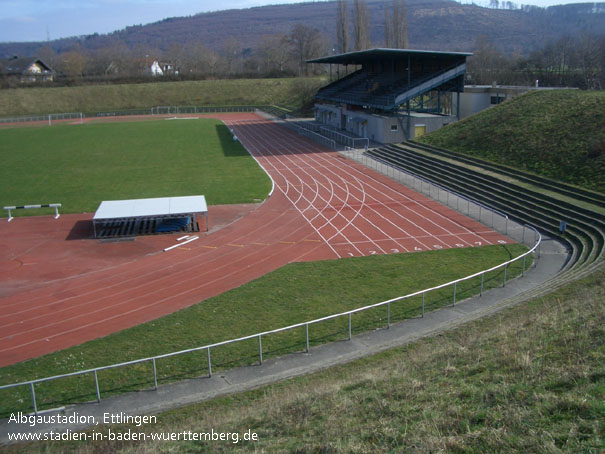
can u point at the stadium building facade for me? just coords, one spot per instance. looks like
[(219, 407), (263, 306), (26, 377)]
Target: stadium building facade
[(391, 95)]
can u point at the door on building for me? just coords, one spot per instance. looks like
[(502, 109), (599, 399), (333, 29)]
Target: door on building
[(419, 131), (363, 129), (343, 122)]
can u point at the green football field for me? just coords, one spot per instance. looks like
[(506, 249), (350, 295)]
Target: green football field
[(81, 165)]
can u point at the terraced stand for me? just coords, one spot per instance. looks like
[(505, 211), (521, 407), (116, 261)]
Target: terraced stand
[(490, 184)]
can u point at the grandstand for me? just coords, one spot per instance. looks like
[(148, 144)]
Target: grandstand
[(392, 94)]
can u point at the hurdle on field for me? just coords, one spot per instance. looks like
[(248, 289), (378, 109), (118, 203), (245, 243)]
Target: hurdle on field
[(27, 207)]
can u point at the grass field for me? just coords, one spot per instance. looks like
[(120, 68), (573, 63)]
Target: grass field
[(558, 134), (97, 98), (81, 165), (292, 294)]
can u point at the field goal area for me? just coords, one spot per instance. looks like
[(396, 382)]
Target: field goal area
[(48, 118)]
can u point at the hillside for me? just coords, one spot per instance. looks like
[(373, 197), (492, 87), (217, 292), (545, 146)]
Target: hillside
[(556, 134), (93, 98), (452, 26)]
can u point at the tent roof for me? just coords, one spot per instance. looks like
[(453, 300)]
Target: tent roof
[(157, 207)]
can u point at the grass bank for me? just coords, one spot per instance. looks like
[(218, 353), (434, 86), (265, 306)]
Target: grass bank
[(531, 379), (293, 294), (93, 98), (558, 134), (81, 165)]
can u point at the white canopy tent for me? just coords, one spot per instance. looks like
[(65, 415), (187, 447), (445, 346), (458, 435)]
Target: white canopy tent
[(117, 218)]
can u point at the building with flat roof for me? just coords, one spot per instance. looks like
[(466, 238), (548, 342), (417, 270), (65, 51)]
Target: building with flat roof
[(480, 97), (391, 95)]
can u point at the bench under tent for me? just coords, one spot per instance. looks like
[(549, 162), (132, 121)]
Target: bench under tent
[(127, 218)]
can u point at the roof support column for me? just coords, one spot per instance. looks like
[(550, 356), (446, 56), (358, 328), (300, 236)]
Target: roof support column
[(409, 121), (438, 101), (458, 102)]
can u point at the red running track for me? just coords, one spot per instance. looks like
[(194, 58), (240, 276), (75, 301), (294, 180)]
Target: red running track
[(323, 207)]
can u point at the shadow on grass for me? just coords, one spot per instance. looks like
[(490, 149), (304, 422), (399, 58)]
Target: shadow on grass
[(231, 148)]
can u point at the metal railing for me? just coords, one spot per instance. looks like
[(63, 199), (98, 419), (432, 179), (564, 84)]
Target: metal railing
[(327, 133), (448, 197), (352, 142), (259, 336), (308, 132), (153, 111), (46, 118)]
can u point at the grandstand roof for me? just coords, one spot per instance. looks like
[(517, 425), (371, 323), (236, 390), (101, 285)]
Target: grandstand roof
[(362, 56)]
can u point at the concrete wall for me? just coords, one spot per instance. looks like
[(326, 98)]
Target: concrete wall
[(378, 128), (476, 98)]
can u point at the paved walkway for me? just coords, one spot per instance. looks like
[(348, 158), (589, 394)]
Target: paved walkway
[(553, 257)]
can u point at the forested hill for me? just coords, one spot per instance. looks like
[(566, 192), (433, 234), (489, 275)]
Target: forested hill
[(433, 24)]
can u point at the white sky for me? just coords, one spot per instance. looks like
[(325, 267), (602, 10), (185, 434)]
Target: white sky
[(35, 20)]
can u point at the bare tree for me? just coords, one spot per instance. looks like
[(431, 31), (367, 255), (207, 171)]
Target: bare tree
[(361, 30), (113, 60), (48, 56), (342, 26), (400, 24), (274, 54), (142, 58), (73, 63), (232, 53), (396, 26), (201, 60), (488, 65), (389, 39), (175, 56), (591, 60), (306, 43)]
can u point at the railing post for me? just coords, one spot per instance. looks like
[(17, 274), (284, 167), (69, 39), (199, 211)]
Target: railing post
[(307, 335), (388, 315), (482, 278), (454, 301), (504, 283), (209, 363), (33, 393), (523, 270), (155, 375), (260, 349), (97, 387), (349, 326), (422, 304)]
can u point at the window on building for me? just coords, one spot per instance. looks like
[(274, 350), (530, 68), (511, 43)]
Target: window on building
[(497, 99), (393, 127)]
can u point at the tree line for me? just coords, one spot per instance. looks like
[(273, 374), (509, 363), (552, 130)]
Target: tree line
[(571, 61)]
